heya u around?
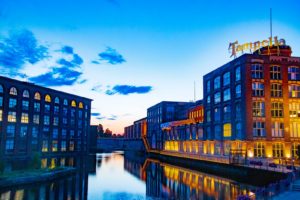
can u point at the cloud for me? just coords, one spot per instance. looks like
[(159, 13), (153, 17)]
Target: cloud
[(97, 88), (67, 49), (128, 89), (58, 76), (112, 117), (18, 49), (110, 56), (77, 59), (95, 114)]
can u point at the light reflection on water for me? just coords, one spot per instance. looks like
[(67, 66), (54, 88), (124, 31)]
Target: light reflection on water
[(115, 176)]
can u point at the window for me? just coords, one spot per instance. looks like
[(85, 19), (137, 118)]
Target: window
[(258, 109), (80, 105), (9, 145), (37, 96), (25, 105), (277, 150), (55, 133), (217, 115), (54, 145), (277, 109), (208, 99), (226, 79), (71, 146), (275, 73), (12, 116), (259, 149), (26, 94), (238, 130), (218, 132), (13, 91), (1, 101), (238, 74), (64, 133), (72, 113), (227, 113), (227, 130), (37, 107), (217, 97), (295, 129), (56, 100), (226, 94), (208, 86), (294, 91), (73, 103), (63, 146), (56, 110), (35, 132), (46, 120), (259, 129), (12, 103), (65, 121), (45, 146), (80, 114), (238, 91), (72, 134), (295, 148), (36, 119), (1, 89), (65, 102), (65, 111), (258, 89), (277, 129), (1, 112), (47, 98), (276, 90), (257, 71), (24, 118), (217, 83), (23, 131), (10, 131), (208, 116), (294, 109), (294, 73), (47, 108), (55, 121)]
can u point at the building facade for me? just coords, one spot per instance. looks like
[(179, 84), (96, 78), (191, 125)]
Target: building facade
[(38, 119), (252, 104)]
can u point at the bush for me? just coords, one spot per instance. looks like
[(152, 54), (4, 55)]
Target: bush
[(35, 161)]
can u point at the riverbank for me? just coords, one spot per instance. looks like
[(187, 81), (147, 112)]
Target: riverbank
[(33, 176)]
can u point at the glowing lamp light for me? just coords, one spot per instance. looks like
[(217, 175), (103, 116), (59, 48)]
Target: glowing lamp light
[(250, 154), (269, 155), (288, 155)]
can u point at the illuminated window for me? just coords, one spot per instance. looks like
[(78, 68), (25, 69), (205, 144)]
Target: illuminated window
[(277, 109), (226, 79), (217, 97), (25, 105), (36, 107), (295, 129), (47, 98), (9, 145), (71, 146), (217, 114), (36, 119), (208, 99), (277, 150), (1, 101), (238, 74), (56, 100), (227, 113), (80, 105), (258, 89), (1, 112), (277, 129), (73, 103), (47, 108), (63, 145), (208, 86), (238, 91), (259, 129), (294, 73), (217, 83), (12, 103), (13, 91), (218, 149), (24, 118), (10, 131), (276, 90), (294, 109), (294, 91), (1, 88), (257, 71), (26, 94), (54, 145), (275, 73), (23, 131), (259, 149), (227, 130), (46, 120), (226, 95), (258, 109), (65, 102), (45, 146), (55, 121), (295, 148), (37, 96), (12, 117)]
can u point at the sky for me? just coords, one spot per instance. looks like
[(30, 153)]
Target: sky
[(128, 55)]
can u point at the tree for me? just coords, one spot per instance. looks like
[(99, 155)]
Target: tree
[(100, 131), (108, 133)]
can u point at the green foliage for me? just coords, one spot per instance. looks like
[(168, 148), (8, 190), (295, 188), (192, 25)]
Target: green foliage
[(35, 161)]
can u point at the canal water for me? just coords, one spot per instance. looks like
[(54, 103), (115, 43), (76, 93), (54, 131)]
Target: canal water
[(127, 176)]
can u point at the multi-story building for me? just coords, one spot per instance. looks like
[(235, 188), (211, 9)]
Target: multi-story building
[(39, 119), (162, 112), (252, 104)]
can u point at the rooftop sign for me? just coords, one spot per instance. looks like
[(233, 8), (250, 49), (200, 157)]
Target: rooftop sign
[(235, 47)]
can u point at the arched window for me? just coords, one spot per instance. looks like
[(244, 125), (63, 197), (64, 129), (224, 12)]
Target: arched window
[(80, 105), (1, 89), (56, 100), (73, 103), (65, 102), (26, 93), (13, 91), (37, 96), (47, 98)]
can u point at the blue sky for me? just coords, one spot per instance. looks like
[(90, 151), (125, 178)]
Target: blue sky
[(130, 54)]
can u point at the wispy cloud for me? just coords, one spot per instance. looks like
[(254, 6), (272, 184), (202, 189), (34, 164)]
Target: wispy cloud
[(110, 56), (67, 49), (112, 117), (97, 88), (95, 114), (19, 48), (128, 89)]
